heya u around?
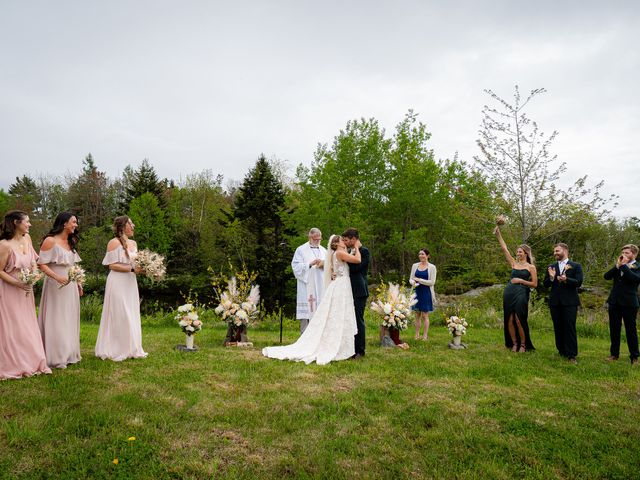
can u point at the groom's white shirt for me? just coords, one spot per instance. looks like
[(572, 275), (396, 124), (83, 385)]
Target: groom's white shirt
[(303, 256)]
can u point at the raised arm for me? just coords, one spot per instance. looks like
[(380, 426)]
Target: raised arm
[(354, 258), (503, 246)]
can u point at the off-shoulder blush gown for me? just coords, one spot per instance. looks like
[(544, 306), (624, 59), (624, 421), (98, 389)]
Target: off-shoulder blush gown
[(120, 333), (21, 350), (59, 314)]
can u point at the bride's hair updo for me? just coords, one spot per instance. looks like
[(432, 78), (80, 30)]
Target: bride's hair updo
[(335, 240)]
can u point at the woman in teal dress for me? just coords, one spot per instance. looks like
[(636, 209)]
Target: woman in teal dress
[(515, 300)]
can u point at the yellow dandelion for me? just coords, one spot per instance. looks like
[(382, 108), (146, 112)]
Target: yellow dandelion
[(115, 461), (131, 439)]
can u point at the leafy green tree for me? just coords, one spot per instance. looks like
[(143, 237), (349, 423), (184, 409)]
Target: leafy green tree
[(150, 229), (196, 211), (7, 202)]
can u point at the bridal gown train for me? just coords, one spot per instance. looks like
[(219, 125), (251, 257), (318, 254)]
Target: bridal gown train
[(330, 334)]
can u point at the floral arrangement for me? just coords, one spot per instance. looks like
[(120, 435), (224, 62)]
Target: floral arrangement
[(457, 326), (31, 276), (239, 302), (501, 220), (188, 319), (76, 274), (151, 264), (393, 305)]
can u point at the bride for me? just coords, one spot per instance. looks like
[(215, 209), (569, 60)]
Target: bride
[(330, 333)]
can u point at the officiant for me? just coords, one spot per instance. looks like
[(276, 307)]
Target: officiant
[(308, 268)]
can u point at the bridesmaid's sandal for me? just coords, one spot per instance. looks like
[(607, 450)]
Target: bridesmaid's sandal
[(514, 349), (522, 349)]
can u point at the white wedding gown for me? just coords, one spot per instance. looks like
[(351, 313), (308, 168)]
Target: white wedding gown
[(330, 334)]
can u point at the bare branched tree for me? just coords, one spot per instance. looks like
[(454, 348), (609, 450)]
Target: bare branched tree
[(516, 155)]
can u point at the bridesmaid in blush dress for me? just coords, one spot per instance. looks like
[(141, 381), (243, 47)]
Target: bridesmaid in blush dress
[(21, 351), (59, 314), (120, 333)]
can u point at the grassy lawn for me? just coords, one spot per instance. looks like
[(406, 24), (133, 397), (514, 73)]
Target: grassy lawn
[(423, 413)]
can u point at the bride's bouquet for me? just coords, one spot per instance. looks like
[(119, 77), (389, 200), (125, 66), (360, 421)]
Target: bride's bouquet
[(188, 319), (457, 326), (31, 276), (151, 264), (239, 302), (393, 305), (76, 274)]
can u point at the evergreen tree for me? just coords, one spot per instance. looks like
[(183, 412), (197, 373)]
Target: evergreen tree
[(259, 206), (26, 194), (88, 195), (143, 180)]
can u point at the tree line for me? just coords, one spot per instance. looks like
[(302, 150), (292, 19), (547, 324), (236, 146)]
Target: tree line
[(390, 186)]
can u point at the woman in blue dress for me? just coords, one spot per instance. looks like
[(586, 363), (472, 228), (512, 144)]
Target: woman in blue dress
[(423, 278), (515, 300)]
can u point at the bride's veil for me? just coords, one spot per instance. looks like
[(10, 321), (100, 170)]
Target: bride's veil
[(328, 263)]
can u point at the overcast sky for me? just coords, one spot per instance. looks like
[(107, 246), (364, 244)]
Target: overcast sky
[(195, 85)]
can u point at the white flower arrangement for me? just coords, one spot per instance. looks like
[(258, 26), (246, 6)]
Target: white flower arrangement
[(188, 319), (31, 276), (151, 264), (76, 274), (394, 306), (239, 303), (457, 326)]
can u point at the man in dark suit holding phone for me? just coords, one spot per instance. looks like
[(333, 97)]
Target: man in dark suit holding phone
[(564, 277), (623, 302)]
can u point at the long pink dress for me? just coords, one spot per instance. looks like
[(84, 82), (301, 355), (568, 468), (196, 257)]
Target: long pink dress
[(59, 314), (21, 350), (120, 333)]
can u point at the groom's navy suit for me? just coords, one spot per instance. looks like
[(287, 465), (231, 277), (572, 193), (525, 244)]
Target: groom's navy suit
[(563, 304), (623, 305), (360, 289)]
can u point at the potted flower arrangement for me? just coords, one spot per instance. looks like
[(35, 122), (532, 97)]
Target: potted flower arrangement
[(190, 323), (393, 306), (457, 327), (238, 306)]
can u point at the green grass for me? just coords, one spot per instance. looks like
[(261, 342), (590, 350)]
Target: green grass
[(428, 412)]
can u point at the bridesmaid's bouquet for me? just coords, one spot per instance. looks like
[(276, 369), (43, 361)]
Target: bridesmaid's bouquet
[(188, 319), (501, 220), (31, 276), (239, 302), (393, 305), (457, 326), (76, 274), (151, 264)]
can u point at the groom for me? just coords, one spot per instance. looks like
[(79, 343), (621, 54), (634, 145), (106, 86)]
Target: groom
[(359, 286)]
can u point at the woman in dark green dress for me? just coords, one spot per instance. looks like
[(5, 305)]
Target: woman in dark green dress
[(515, 300)]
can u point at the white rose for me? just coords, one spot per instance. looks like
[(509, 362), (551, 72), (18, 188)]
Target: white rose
[(387, 308), (192, 315), (190, 329), (183, 323), (219, 309), (242, 314)]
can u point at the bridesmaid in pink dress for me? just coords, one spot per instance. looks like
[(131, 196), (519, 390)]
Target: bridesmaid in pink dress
[(120, 333), (59, 314), (21, 351)]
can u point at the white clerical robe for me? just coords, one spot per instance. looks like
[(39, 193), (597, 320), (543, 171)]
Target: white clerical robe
[(310, 280)]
